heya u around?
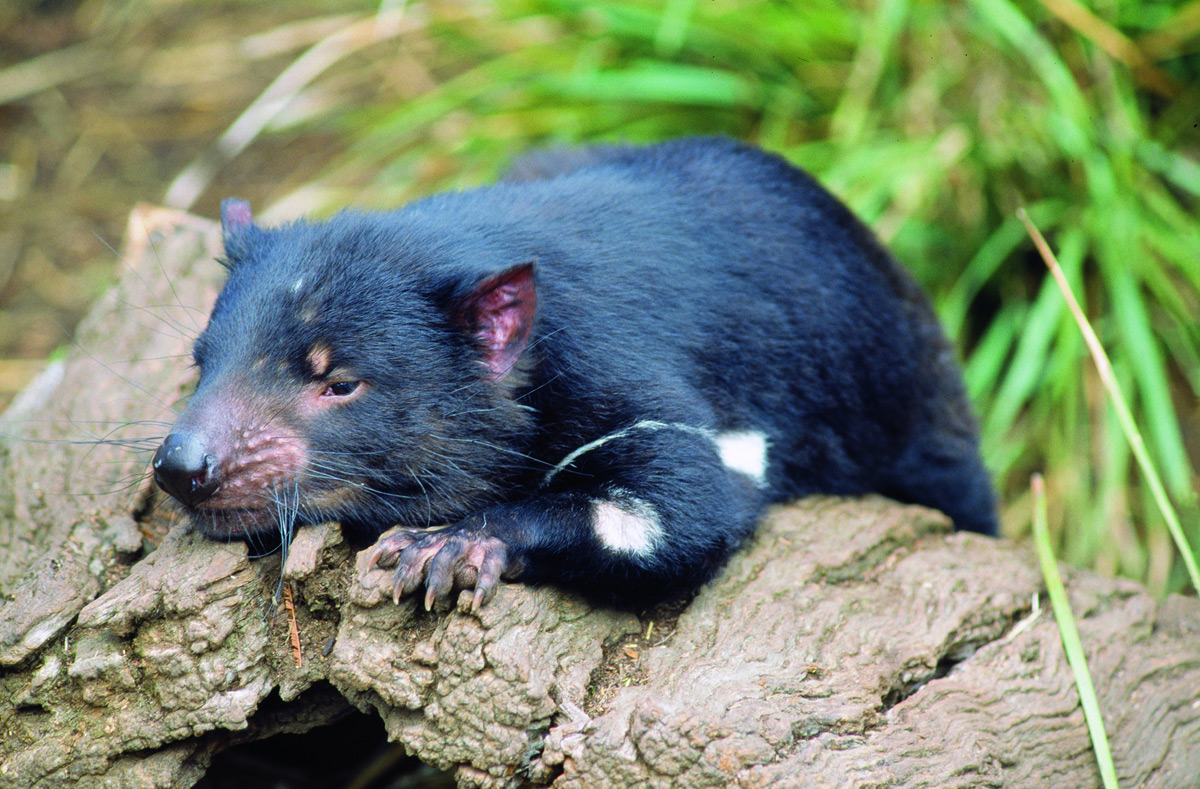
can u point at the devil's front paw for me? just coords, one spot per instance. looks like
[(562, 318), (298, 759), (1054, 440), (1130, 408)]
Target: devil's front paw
[(441, 561)]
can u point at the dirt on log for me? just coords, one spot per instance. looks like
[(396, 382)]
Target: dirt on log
[(853, 643)]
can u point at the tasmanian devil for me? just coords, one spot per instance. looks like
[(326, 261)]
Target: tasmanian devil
[(595, 373)]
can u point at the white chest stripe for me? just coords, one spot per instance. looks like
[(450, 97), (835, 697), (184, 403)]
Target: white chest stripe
[(627, 525), (743, 451), (646, 424)]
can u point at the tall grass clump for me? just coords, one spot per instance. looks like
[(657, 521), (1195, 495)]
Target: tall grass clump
[(934, 120)]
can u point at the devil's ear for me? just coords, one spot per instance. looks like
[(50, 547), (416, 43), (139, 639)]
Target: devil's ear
[(237, 223), (498, 313), (235, 216)]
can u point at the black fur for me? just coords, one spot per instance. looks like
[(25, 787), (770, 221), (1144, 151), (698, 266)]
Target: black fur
[(677, 293)]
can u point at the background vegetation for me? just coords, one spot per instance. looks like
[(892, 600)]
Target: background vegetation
[(933, 119)]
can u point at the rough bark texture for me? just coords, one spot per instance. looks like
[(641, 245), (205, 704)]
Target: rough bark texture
[(853, 643)]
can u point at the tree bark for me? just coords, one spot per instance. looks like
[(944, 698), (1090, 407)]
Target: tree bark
[(853, 643)]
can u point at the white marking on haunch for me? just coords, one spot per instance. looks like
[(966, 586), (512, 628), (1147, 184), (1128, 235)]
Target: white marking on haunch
[(627, 525), (744, 451), (297, 285)]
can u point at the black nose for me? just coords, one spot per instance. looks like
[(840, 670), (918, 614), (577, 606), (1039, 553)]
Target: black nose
[(183, 469)]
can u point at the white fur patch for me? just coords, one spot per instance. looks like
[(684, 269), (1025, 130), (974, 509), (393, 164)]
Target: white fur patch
[(630, 526), (745, 452)]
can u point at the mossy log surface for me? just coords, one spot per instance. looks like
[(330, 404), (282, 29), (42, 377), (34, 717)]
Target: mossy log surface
[(853, 643)]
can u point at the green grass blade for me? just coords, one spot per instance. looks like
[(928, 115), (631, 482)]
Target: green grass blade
[(849, 120), (1070, 637), (1139, 343), (657, 81), (1029, 362), (672, 30), (1128, 426)]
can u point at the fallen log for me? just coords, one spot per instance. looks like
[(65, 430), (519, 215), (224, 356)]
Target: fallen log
[(852, 643)]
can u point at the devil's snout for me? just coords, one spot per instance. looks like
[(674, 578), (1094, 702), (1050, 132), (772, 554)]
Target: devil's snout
[(184, 469)]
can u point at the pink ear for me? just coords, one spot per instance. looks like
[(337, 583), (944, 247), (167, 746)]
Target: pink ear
[(499, 313), (235, 216)]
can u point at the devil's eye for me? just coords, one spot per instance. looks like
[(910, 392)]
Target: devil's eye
[(341, 388)]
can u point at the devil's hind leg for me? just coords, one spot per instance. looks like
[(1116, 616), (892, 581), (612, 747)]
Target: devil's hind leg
[(946, 472)]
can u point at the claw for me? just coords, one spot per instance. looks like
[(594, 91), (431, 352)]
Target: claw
[(390, 545), (487, 578), (439, 575), (410, 569), (441, 561)]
